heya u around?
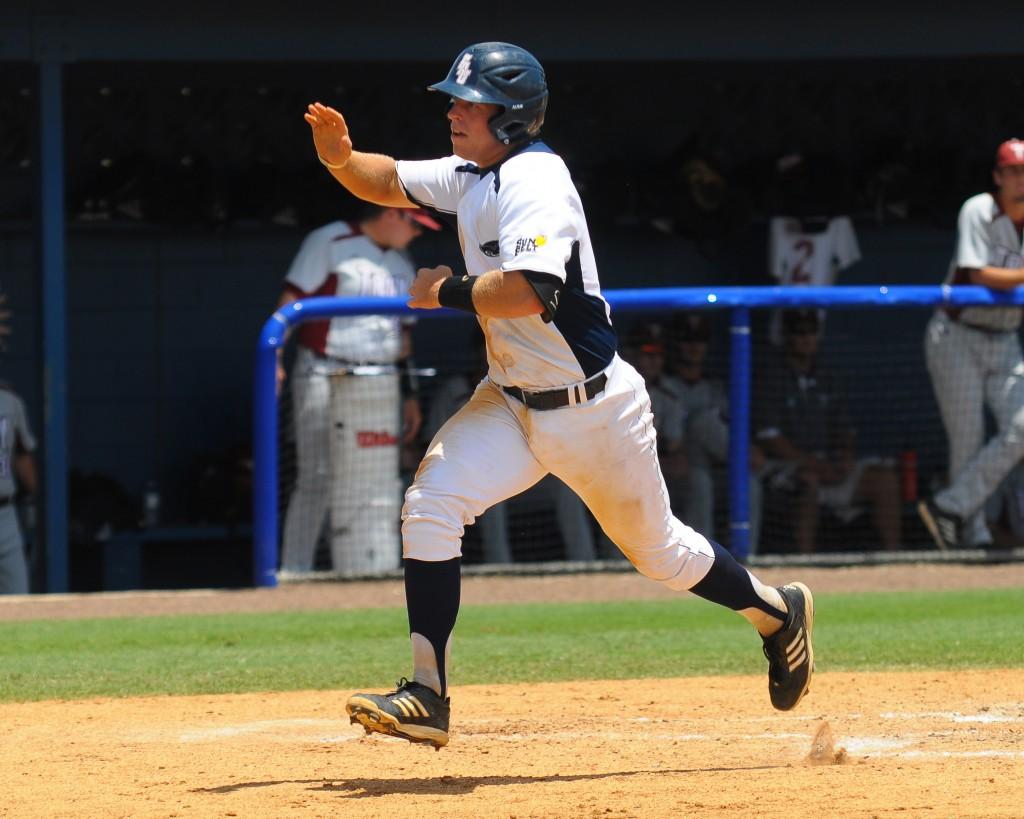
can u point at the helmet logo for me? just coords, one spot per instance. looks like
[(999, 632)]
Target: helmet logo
[(462, 70)]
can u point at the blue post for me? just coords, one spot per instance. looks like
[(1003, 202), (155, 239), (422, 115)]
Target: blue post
[(739, 433), (265, 484), (738, 299), (51, 266), (264, 530)]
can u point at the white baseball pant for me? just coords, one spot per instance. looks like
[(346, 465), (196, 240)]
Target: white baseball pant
[(13, 566), (365, 490), (311, 402), (358, 483), (605, 450), (970, 368)]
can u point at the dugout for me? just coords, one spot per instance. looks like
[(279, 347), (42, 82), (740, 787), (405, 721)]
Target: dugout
[(143, 240)]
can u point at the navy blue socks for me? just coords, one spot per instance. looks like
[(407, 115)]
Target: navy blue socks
[(432, 595), (729, 584)]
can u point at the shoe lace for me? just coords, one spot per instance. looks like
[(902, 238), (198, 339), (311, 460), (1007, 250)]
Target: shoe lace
[(401, 685)]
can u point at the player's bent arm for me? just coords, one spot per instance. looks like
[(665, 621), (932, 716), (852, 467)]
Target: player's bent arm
[(505, 294), (373, 178), (1000, 278), (496, 293)]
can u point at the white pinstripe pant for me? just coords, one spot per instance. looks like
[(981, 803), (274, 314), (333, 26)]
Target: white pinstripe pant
[(605, 450), (971, 369)]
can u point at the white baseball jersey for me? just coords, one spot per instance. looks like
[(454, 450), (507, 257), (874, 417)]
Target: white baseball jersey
[(338, 260), (14, 435), (986, 237), (525, 214), (799, 258)]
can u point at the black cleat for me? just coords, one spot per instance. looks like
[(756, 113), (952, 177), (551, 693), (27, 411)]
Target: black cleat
[(789, 650), (413, 712), (943, 527)]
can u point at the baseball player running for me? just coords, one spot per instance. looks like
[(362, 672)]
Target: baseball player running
[(557, 397), (974, 357)]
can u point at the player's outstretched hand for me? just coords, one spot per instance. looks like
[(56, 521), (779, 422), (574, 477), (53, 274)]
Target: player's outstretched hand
[(423, 292), (330, 133)]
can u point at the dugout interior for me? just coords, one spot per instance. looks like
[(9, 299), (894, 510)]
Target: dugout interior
[(190, 185)]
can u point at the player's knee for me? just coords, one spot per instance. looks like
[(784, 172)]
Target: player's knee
[(678, 562), (432, 525), (431, 540)]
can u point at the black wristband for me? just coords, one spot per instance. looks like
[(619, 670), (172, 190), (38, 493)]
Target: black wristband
[(457, 293)]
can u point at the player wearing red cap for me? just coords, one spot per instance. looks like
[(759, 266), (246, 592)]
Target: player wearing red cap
[(345, 393), (974, 358)]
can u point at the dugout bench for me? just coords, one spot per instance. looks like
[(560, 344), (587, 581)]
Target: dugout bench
[(175, 557)]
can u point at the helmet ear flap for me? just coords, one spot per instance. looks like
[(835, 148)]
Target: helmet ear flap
[(499, 128)]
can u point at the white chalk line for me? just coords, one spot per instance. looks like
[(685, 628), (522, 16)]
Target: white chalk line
[(1008, 712), (905, 747), (279, 728), (954, 716)]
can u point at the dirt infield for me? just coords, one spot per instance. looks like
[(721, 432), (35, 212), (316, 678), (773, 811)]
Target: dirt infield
[(878, 744), (927, 744)]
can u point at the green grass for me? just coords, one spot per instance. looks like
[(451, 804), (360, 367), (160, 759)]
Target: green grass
[(68, 659)]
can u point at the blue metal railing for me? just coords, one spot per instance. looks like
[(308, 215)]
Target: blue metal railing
[(740, 300)]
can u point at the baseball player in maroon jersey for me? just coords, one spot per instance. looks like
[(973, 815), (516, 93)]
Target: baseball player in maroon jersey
[(557, 398), (974, 358), (345, 394)]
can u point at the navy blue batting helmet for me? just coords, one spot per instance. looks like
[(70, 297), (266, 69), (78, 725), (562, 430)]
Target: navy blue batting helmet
[(500, 74)]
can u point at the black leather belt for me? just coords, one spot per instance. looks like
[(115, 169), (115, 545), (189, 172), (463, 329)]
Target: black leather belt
[(5, 502), (556, 399)]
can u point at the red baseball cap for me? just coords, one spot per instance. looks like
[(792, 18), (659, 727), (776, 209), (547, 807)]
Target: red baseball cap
[(1010, 152), (422, 217)]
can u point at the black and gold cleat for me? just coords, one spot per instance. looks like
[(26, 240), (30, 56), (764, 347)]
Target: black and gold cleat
[(413, 712), (789, 651)]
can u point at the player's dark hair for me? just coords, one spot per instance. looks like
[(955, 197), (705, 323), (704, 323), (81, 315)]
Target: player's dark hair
[(367, 211)]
